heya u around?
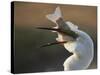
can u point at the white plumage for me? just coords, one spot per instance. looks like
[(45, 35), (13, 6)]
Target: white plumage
[(82, 48)]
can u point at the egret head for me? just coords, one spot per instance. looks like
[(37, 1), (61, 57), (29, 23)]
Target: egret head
[(65, 33)]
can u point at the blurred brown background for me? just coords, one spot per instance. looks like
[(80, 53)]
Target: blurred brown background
[(28, 56)]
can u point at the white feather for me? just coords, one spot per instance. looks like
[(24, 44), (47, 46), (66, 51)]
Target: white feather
[(54, 16), (82, 48), (72, 26)]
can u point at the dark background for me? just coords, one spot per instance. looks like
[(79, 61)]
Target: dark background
[(29, 57)]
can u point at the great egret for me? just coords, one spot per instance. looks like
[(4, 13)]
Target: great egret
[(74, 40)]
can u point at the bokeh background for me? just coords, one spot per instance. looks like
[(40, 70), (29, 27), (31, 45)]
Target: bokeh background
[(29, 57)]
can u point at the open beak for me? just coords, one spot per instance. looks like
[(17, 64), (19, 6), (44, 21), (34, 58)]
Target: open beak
[(69, 32), (53, 43)]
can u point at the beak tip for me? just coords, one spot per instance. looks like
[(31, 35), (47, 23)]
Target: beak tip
[(38, 27)]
